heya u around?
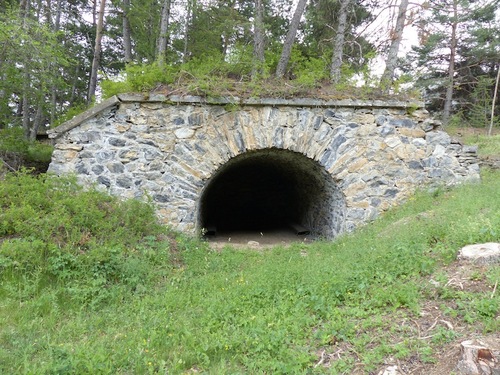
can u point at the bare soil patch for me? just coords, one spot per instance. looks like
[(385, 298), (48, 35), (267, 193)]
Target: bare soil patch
[(432, 321), (255, 239)]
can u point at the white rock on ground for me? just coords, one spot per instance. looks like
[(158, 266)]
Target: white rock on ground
[(481, 253)]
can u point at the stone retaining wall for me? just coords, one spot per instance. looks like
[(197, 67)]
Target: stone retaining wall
[(374, 154)]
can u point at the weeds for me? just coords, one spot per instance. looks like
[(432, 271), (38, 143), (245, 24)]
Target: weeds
[(85, 242), (16, 151), (216, 76)]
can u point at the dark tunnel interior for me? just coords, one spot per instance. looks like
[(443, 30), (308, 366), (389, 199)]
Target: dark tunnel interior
[(266, 190)]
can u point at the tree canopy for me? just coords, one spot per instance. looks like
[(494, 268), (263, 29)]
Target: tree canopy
[(55, 55)]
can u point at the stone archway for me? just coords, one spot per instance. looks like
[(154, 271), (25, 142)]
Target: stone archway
[(272, 189), (328, 166)]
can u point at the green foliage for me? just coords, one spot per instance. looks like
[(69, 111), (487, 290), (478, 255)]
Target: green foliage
[(84, 241), (476, 55), (146, 77), (71, 112), (482, 99), (12, 141), (215, 57), (487, 145), (30, 72), (110, 88), (213, 75), (457, 120), (308, 71), (143, 77)]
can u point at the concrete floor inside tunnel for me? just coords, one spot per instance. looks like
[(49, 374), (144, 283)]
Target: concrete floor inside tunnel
[(268, 196)]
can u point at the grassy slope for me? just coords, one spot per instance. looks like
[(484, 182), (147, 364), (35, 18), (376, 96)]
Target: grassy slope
[(91, 285)]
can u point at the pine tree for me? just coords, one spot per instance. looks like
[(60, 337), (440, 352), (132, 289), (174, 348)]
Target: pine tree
[(392, 55), (460, 42), (97, 52), (338, 45), (290, 38)]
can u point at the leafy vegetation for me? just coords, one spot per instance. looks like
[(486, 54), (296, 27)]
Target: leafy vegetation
[(16, 152), (488, 146), (84, 241), (214, 77), (237, 47), (90, 284), (456, 58)]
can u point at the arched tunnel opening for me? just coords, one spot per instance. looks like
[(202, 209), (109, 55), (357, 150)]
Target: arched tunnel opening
[(272, 189)]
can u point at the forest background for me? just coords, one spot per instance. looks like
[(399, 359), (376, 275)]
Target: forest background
[(56, 55)]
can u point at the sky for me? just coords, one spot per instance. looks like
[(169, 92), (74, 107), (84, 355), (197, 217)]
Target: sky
[(385, 21)]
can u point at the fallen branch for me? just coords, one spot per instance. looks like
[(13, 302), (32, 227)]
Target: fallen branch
[(447, 324), (8, 166), (321, 360), (433, 325)]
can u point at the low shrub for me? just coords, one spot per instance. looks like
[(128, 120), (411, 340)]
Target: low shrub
[(17, 152), (86, 240)]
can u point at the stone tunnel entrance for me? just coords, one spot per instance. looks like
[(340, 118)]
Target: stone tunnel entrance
[(272, 190)]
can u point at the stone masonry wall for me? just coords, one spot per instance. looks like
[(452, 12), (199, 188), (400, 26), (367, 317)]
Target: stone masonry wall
[(168, 148)]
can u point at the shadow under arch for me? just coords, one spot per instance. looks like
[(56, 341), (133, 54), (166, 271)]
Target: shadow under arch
[(269, 189)]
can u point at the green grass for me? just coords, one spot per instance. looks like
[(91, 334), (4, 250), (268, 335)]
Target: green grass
[(92, 285), (217, 77), (488, 145)]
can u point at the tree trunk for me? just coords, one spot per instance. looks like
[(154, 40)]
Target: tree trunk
[(258, 39), (494, 101), (39, 11), (161, 46), (392, 56), (451, 68), (57, 21), (290, 38), (25, 102), (26, 115), (24, 6), (48, 12), (53, 90), (97, 53), (94, 13), (189, 13), (338, 45), (37, 121), (127, 39), (75, 84)]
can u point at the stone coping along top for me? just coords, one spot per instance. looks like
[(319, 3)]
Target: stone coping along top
[(233, 100)]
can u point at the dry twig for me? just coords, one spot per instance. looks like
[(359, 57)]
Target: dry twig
[(494, 290), (321, 360), (7, 165)]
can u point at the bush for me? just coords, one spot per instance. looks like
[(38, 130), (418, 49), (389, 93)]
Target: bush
[(88, 241), (13, 146), (139, 77), (74, 110)]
